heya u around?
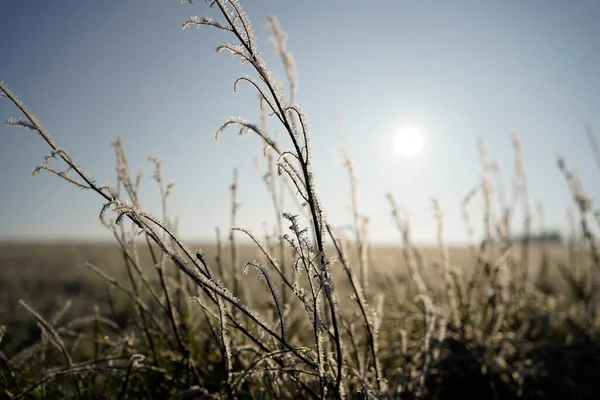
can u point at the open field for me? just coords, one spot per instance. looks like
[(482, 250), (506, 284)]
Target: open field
[(50, 276), (309, 307)]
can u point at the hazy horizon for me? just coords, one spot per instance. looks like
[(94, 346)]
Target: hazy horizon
[(91, 72)]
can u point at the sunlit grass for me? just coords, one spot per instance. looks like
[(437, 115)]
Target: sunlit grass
[(311, 310)]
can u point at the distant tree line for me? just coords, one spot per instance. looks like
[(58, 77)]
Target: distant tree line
[(552, 236)]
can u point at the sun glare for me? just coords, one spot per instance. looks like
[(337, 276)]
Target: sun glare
[(409, 142)]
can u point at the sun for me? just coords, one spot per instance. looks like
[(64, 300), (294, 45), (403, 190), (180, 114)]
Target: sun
[(409, 141)]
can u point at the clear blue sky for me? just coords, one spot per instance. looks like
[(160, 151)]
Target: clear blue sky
[(92, 71)]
